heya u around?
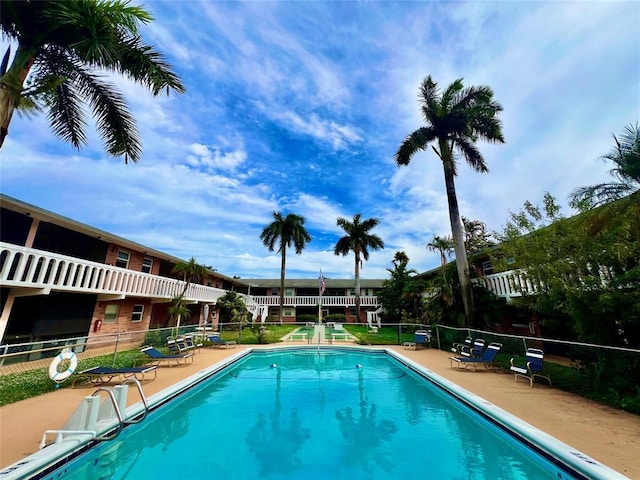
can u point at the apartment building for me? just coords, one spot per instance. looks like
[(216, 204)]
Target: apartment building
[(60, 278)]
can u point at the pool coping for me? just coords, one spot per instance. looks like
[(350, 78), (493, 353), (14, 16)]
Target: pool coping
[(52, 457)]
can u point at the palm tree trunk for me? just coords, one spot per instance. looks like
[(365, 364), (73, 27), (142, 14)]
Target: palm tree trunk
[(7, 101), (462, 264), (282, 270), (357, 274), (6, 112)]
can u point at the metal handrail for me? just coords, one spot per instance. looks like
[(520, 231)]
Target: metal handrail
[(109, 392), (136, 382)]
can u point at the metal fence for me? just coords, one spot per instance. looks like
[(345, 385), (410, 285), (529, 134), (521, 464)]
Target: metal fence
[(23, 357)]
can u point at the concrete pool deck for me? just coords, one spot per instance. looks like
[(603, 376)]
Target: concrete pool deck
[(609, 436)]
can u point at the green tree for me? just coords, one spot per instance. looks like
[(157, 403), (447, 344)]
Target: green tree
[(64, 49), (442, 245), (476, 237), (455, 119), (583, 271), (285, 232), (358, 240), (233, 310), (190, 272), (626, 158)]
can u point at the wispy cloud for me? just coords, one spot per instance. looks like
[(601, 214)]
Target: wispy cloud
[(300, 106)]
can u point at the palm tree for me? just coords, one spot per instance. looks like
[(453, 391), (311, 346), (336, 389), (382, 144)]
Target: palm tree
[(358, 240), (455, 119), (476, 237), (64, 50), (190, 271), (442, 245), (286, 232), (626, 157), (400, 258)]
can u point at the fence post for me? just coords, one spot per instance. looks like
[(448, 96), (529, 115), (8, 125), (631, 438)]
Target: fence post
[(115, 350)]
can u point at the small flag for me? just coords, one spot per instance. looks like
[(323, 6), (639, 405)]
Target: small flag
[(323, 286)]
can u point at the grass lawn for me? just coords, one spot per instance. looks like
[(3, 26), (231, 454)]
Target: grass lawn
[(385, 335)]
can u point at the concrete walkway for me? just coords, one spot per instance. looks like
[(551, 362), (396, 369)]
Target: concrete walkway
[(605, 434)]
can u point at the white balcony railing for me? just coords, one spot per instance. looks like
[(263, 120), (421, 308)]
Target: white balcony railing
[(311, 301), (45, 272), (512, 283)]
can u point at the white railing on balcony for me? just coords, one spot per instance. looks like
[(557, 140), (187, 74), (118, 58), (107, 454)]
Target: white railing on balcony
[(45, 271), (513, 283), (311, 301)]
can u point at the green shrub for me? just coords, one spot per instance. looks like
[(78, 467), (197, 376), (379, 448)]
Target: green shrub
[(305, 317), (336, 318)]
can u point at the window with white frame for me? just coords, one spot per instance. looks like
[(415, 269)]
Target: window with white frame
[(122, 260), (487, 268), (147, 265), (288, 292), (274, 291), (287, 312), (136, 314), (111, 313)]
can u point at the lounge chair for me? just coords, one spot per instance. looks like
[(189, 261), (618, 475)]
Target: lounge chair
[(177, 346), (421, 338), (532, 367), (157, 357), (487, 360), (458, 347), (216, 341), (475, 351), (190, 343), (100, 375)]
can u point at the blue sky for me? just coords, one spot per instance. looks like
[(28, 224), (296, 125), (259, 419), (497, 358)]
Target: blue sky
[(300, 106)]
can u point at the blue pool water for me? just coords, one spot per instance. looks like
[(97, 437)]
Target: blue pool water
[(310, 414)]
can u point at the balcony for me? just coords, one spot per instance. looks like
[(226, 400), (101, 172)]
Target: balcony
[(37, 272), (313, 301), (510, 284)]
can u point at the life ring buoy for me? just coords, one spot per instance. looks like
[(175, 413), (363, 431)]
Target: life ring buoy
[(57, 376)]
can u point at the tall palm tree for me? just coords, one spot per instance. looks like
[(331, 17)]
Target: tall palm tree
[(285, 232), (626, 157), (442, 245), (454, 120), (358, 240), (64, 49)]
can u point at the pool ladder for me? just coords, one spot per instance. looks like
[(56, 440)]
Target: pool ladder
[(90, 410)]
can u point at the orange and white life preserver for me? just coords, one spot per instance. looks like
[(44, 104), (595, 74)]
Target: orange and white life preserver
[(57, 376)]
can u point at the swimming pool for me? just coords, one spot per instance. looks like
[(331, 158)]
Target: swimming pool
[(326, 413)]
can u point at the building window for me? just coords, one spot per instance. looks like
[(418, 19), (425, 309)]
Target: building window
[(147, 265), (111, 314), (287, 312), (487, 268), (274, 291), (136, 314), (288, 292), (351, 292), (122, 260)]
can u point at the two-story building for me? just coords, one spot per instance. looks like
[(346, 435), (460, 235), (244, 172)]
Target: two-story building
[(60, 278)]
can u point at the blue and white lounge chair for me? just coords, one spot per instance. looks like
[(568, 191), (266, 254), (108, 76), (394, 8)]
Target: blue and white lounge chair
[(100, 375), (157, 357), (421, 338), (216, 341), (190, 343), (532, 368), (486, 360), (458, 347), (475, 351)]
